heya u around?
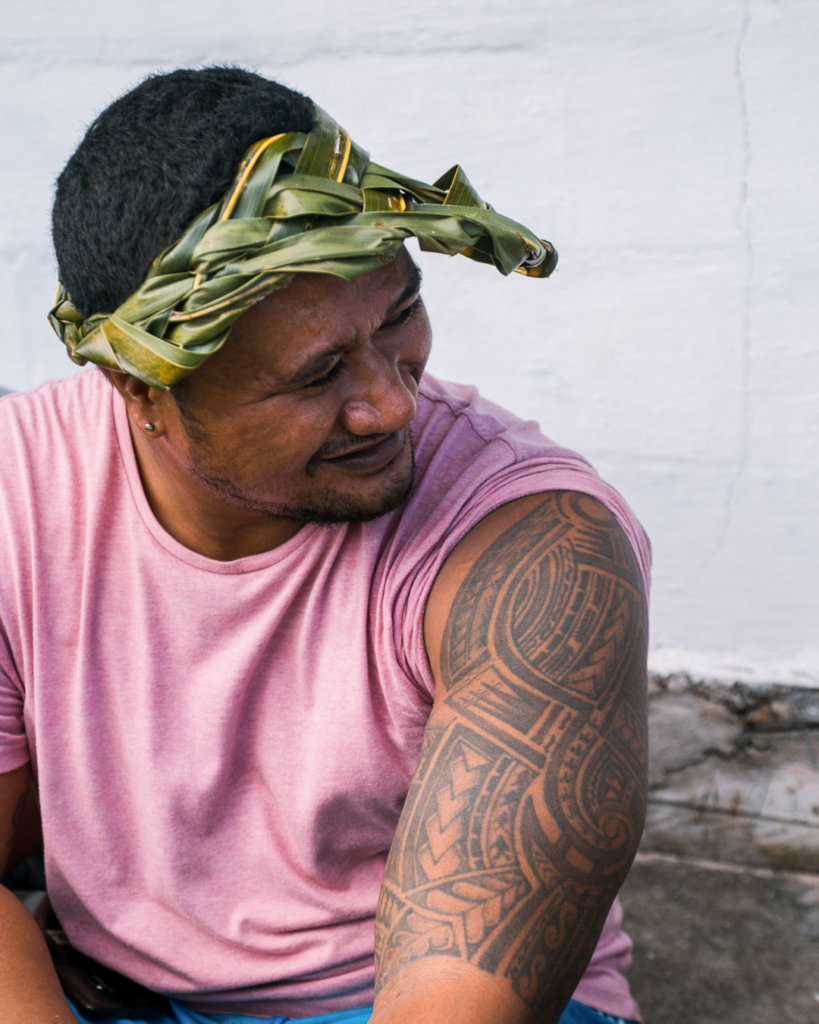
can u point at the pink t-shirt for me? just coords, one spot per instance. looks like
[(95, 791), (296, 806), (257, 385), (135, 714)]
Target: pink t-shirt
[(223, 749)]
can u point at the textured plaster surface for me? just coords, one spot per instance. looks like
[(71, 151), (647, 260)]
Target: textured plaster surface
[(670, 152)]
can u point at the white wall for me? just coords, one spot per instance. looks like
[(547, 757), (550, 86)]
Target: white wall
[(669, 150)]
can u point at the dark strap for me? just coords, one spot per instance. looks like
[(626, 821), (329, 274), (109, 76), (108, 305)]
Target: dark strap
[(91, 986)]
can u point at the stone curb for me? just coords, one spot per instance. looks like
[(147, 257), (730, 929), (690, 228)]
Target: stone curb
[(760, 705), (734, 774)]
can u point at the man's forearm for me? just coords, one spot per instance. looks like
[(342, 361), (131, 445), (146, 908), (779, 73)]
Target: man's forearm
[(439, 991), (28, 982), (442, 990)]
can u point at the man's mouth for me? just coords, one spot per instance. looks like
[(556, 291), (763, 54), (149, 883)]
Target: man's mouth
[(369, 457)]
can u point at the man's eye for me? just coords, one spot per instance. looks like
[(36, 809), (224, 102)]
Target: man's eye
[(403, 317), (319, 382)]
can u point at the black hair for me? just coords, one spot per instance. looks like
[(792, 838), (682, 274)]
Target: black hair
[(149, 164)]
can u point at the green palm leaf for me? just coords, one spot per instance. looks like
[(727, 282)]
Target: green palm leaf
[(299, 203)]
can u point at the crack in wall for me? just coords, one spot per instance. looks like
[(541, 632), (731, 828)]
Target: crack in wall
[(697, 760), (743, 223), (732, 812)]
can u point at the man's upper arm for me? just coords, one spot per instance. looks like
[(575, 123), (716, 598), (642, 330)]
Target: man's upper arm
[(528, 801)]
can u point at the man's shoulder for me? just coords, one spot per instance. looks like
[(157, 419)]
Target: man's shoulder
[(458, 431), (84, 392), (474, 456), (471, 456), (49, 430), (449, 400)]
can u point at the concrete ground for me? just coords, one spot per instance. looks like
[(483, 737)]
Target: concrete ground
[(723, 899), (716, 944)]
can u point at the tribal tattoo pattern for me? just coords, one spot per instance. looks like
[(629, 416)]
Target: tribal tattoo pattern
[(529, 797)]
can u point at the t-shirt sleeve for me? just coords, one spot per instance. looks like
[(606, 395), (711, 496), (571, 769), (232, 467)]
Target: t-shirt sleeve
[(15, 558), (473, 458), (13, 743)]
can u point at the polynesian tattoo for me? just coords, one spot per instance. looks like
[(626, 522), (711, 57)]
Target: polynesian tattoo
[(529, 797)]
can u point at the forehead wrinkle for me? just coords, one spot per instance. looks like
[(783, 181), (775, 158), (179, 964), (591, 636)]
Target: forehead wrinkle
[(313, 363), (281, 366)]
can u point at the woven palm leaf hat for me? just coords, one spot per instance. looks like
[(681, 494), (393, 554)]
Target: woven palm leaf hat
[(300, 202)]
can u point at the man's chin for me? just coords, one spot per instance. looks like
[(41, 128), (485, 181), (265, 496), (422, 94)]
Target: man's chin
[(384, 493), (327, 503), (335, 506)]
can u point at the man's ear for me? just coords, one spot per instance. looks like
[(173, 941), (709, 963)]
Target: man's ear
[(144, 403)]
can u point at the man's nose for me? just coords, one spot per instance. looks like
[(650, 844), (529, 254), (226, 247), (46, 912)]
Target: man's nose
[(383, 396)]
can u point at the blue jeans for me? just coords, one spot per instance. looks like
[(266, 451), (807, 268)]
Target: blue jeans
[(575, 1013)]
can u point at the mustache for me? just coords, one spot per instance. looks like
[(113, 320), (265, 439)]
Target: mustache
[(335, 449)]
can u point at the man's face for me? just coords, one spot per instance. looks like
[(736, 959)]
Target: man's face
[(304, 414)]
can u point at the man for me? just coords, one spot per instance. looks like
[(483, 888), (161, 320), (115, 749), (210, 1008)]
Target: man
[(331, 676)]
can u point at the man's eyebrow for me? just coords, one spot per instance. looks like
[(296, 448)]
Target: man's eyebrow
[(410, 288), (315, 365)]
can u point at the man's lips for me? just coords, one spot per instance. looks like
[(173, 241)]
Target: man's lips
[(369, 457)]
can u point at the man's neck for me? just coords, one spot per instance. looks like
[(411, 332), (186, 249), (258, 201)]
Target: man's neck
[(189, 511)]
